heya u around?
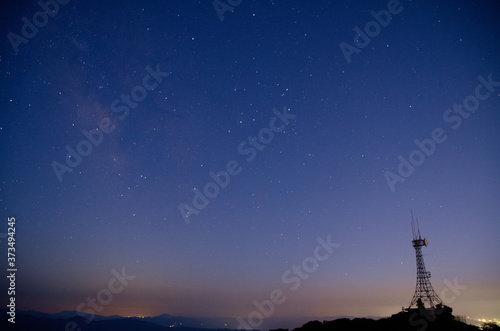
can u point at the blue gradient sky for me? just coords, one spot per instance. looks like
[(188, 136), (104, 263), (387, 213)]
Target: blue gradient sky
[(322, 175)]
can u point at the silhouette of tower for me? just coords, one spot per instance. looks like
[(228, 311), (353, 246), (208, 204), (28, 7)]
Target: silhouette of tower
[(423, 290)]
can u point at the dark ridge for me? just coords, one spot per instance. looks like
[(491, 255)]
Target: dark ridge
[(418, 320), (404, 321)]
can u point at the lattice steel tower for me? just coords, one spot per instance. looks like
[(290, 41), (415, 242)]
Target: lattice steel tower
[(423, 290)]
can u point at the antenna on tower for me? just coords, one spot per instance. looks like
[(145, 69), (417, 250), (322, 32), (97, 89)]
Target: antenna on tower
[(418, 228), (415, 230), (413, 226)]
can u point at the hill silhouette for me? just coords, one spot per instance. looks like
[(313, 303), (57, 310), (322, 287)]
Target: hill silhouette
[(440, 319), (418, 320)]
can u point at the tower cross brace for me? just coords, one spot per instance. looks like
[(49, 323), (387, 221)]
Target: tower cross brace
[(423, 290)]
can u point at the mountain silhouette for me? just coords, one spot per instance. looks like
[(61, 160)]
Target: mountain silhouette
[(415, 320)]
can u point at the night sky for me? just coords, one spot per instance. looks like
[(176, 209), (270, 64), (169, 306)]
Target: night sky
[(209, 156)]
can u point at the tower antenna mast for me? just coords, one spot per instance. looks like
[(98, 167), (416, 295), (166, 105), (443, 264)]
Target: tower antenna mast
[(423, 290)]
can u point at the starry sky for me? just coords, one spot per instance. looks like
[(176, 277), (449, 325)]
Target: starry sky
[(212, 149)]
